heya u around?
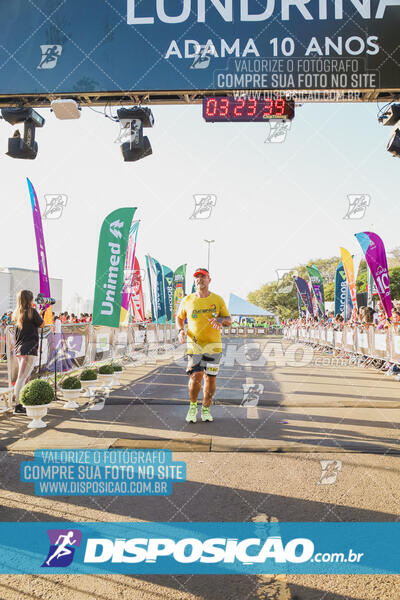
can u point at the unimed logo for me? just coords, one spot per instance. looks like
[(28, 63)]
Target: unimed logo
[(191, 550)]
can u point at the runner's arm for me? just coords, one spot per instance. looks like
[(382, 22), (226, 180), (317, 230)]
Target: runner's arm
[(224, 317), (180, 323)]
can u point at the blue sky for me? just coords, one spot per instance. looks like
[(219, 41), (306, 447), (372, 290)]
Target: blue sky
[(278, 205)]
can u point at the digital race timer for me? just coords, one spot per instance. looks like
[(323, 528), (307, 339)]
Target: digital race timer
[(228, 108)]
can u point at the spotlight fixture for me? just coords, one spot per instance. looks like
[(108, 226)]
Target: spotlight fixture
[(23, 147), (391, 116), (132, 121), (66, 108), (394, 143)]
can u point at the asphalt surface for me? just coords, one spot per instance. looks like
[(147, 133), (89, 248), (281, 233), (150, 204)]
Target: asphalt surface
[(258, 461)]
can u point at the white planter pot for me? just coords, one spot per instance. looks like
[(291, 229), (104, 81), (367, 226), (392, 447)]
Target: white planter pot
[(36, 413), (87, 385), (71, 396), (117, 375), (106, 380)]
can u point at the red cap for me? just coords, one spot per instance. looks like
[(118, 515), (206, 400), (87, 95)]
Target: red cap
[(201, 271)]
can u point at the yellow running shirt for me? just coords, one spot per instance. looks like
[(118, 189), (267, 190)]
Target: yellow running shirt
[(198, 311)]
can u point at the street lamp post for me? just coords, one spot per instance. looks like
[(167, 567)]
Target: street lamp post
[(209, 242)]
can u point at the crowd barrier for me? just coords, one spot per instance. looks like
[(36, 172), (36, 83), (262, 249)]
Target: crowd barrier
[(2, 342), (252, 331), (82, 344), (369, 341)]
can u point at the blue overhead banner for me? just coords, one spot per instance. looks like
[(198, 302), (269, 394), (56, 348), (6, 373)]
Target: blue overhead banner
[(54, 47)]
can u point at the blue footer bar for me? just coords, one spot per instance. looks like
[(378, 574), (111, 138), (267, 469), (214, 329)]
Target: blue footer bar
[(200, 548)]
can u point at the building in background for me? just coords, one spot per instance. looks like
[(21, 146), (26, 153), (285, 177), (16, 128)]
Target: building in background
[(78, 305), (13, 279)]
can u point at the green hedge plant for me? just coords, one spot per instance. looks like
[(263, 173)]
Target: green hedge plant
[(71, 383), (36, 393), (88, 375), (106, 370)]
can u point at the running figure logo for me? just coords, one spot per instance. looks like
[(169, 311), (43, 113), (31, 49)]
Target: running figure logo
[(202, 58), (203, 205), (358, 204), (277, 132), (55, 204), (50, 55), (62, 547), (330, 471), (251, 394), (285, 283)]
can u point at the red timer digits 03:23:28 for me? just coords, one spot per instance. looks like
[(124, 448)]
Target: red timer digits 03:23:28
[(227, 108)]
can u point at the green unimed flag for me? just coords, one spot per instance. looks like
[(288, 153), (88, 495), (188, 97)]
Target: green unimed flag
[(113, 242), (317, 283), (179, 288)]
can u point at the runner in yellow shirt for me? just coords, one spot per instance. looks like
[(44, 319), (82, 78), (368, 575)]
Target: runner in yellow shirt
[(206, 314)]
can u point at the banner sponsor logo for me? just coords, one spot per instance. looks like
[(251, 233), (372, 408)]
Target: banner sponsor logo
[(341, 290), (137, 294), (168, 292), (201, 548), (191, 550), (233, 13), (129, 272), (102, 342), (348, 265), (44, 284), (156, 287), (208, 45), (179, 288), (113, 243), (375, 255), (62, 547), (317, 287), (50, 55), (305, 295)]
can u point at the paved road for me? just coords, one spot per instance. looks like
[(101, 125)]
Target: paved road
[(308, 413)]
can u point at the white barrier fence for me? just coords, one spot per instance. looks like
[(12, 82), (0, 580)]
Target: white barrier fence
[(384, 345), (2, 342), (80, 345), (252, 331)]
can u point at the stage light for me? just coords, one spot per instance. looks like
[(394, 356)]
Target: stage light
[(23, 147), (66, 108), (391, 116), (394, 143), (132, 121)]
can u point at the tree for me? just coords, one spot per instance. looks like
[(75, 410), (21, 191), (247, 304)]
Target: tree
[(394, 275), (281, 297), (394, 260), (329, 289)]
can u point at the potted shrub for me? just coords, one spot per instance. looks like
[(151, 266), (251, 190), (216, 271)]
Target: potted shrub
[(36, 395), (71, 389), (106, 373), (88, 379), (117, 373)]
